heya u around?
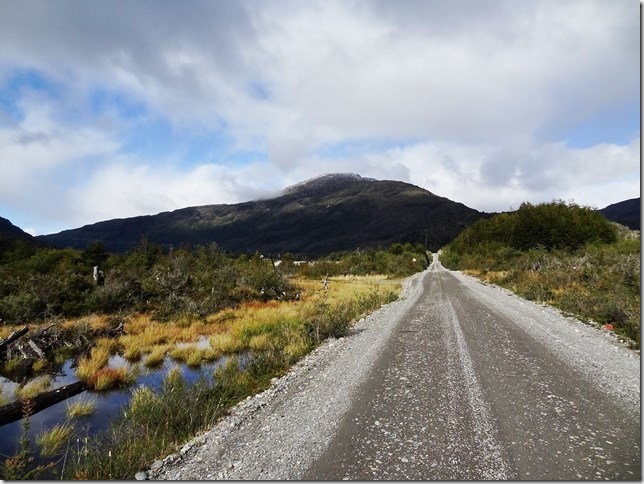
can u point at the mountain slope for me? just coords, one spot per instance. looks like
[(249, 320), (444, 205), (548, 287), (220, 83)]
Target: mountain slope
[(626, 213), (9, 230), (10, 235), (325, 214)]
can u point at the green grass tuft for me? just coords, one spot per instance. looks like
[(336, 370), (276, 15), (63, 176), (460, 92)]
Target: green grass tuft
[(82, 407), (34, 387), (51, 441)]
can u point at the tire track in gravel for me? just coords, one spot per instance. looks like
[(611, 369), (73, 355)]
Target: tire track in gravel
[(421, 414)]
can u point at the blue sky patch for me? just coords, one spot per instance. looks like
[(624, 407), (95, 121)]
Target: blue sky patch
[(105, 100), (617, 125), (17, 82)]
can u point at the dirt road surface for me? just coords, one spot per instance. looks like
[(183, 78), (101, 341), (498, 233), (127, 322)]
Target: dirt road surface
[(457, 380)]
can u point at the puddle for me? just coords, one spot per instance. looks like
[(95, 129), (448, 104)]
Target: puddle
[(202, 343), (108, 404)]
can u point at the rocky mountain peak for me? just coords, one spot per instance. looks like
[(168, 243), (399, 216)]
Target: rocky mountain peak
[(326, 181)]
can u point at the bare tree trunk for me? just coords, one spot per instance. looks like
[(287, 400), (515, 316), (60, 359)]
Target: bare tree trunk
[(23, 408), (13, 337)]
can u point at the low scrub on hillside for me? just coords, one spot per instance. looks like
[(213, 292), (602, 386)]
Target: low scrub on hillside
[(568, 256)]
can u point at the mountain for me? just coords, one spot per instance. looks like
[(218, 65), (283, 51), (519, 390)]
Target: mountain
[(10, 235), (10, 231), (626, 213), (325, 214)]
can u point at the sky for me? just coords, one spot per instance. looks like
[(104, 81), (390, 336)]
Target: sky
[(116, 109)]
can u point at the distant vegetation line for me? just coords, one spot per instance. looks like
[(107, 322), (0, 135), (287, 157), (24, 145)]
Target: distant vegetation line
[(562, 254), (39, 283)]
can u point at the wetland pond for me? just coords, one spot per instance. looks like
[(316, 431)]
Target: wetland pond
[(108, 405)]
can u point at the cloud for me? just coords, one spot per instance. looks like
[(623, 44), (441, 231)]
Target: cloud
[(129, 188), (487, 178), (39, 156), (487, 93), (343, 69)]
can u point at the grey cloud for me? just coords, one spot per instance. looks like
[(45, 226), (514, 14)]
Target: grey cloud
[(459, 70)]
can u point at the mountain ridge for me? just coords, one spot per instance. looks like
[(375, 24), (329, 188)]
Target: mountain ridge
[(328, 213), (9, 230), (626, 212)]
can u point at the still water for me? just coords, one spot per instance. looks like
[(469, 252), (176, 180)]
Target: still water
[(108, 405)]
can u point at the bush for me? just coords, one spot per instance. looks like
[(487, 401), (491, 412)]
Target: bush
[(554, 225), (561, 254)]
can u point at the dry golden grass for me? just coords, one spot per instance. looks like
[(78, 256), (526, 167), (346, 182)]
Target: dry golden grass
[(192, 355), (472, 272), (34, 387), (226, 343), (6, 330), (99, 356), (39, 365), (254, 325), (108, 378), (260, 342), (96, 322), (132, 353), (494, 276), (156, 356), (222, 316), (196, 356)]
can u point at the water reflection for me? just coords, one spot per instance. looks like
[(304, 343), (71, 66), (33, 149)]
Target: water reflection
[(108, 405)]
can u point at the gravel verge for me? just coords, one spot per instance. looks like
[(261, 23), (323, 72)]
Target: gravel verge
[(278, 433)]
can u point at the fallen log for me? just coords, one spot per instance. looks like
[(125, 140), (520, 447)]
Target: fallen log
[(13, 337), (29, 406)]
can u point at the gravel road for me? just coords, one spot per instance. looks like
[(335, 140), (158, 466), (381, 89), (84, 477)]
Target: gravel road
[(456, 380)]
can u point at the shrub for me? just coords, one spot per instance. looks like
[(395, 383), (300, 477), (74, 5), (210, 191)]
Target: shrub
[(561, 254)]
